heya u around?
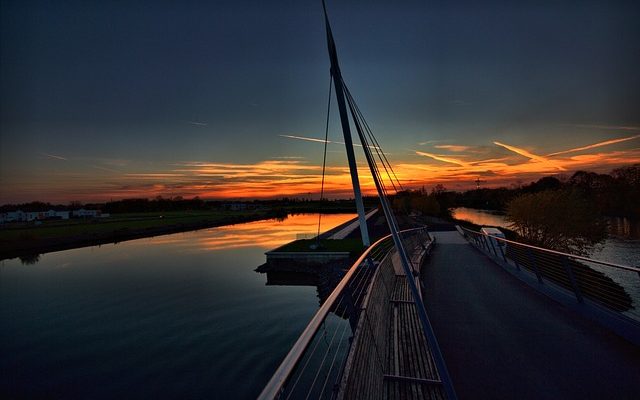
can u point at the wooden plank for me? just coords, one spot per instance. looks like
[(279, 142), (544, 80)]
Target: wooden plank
[(389, 341)]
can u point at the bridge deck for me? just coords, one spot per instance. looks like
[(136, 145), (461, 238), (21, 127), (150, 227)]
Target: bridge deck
[(390, 357), (503, 340), (410, 366)]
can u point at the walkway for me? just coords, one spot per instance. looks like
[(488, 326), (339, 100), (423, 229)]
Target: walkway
[(503, 340), (355, 224), (390, 358)]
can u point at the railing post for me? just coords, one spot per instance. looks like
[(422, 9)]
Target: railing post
[(532, 258), (354, 314), (502, 252), (490, 240), (484, 242), (516, 263), (572, 278)]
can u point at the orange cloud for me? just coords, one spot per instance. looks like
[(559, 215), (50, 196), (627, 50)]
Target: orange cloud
[(452, 147), (294, 177)]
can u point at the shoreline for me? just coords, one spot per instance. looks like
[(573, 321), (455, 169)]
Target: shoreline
[(34, 247)]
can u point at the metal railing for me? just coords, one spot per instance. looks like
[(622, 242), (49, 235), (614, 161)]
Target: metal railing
[(314, 366), (612, 286)]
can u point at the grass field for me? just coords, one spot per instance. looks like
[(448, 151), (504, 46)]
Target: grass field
[(20, 238)]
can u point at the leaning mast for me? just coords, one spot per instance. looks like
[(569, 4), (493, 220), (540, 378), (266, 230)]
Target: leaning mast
[(391, 221), (346, 130)]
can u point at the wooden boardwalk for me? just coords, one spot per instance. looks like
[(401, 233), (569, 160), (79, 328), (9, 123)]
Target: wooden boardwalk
[(412, 373), (390, 357)]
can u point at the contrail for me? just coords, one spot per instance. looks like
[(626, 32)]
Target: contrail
[(610, 127), (322, 141), (54, 156), (530, 155), (592, 146), (443, 159)]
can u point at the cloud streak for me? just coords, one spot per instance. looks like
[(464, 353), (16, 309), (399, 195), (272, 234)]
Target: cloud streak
[(607, 127), (595, 145), (54, 156), (293, 177), (452, 147), (530, 155), (309, 139), (443, 158)]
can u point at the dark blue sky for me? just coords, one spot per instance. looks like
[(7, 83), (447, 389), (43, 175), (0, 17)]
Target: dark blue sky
[(124, 87)]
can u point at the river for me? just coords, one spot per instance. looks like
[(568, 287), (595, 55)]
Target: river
[(170, 317), (621, 247)]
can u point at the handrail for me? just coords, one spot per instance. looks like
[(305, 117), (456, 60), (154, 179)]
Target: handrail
[(608, 294), (609, 264), (287, 365)]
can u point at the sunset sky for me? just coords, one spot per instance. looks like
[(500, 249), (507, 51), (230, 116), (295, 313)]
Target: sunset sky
[(227, 99)]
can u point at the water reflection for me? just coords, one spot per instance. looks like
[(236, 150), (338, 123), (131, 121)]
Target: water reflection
[(174, 316), (622, 246), (480, 217), (618, 226), (267, 234), (30, 259), (624, 227)]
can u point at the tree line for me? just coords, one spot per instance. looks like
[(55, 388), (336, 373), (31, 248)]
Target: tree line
[(616, 194), (560, 213)]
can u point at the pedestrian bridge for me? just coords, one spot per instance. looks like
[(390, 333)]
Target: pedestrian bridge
[(505, 320)]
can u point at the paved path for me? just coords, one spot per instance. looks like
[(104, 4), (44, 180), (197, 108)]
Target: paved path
[(344, 232), (503, 340)]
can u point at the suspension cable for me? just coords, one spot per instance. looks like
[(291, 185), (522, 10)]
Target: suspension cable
[(324, 157), (375, 144)]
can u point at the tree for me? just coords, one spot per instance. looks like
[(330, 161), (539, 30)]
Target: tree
[(426, 205), (439, 189), (402, 203), (625, 191), (560, 220)]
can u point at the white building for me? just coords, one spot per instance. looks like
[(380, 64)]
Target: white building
[(12, 216), (21, 216), (86, 213), (58, 214)]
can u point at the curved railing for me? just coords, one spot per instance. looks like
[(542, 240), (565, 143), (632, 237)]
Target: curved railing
[(612, 286), (314, 365)]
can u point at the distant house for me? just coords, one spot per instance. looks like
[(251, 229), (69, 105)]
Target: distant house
[(14, 216), (58, 214), (237, 206), (82, 213), (34, 215), (21, 216)]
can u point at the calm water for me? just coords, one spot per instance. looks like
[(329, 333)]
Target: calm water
[(622, 246), (175, 316)]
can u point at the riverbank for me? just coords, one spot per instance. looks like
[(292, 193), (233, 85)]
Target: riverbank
[(30, 240)]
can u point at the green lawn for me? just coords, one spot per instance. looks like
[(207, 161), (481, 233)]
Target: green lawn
[(117, 223)]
